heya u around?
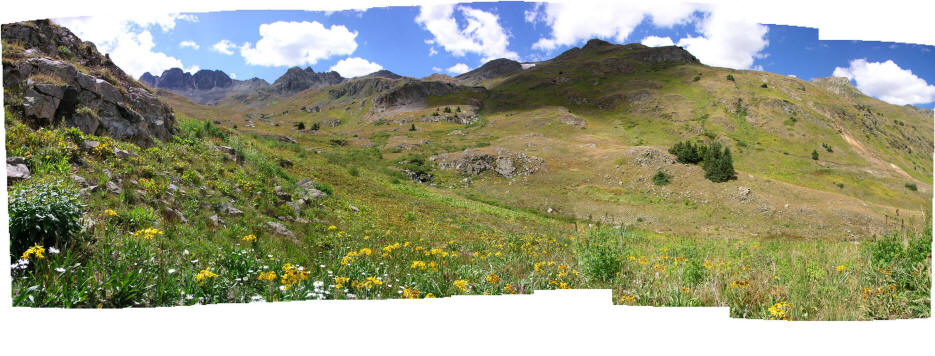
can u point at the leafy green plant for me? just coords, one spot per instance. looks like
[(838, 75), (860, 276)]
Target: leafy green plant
[(600, 255), (44, 213), (730, 77), (686, 152), (815, 155), (661, 178), (64, 52)]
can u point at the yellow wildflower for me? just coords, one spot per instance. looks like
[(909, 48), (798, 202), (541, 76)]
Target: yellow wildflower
[(840, 268), (147, 233), (108, 212), (411, 293), (267, 276), (36, 250), (780, 311), (292, 274), (509, 289), (493, 279), (204, 275), (739, 283), (461, 284), (332, 227), (340, 281), (429, 295), (365, 251), (420, 265), (249, 238), (627, 299)]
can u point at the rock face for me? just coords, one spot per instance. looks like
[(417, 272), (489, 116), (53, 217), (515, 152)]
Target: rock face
[(503, 162), (494, 69), (297, 79), (99, 100)]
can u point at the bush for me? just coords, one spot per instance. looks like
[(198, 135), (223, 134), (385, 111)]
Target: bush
[(300, 126), (661, 178), (64, 52), (447, 110), (730, 77), (44, 213), (815, 155), (324, 188), (412, 128), (763, 85), (912, 187), (600, 256), (315, 126), (827, 147)]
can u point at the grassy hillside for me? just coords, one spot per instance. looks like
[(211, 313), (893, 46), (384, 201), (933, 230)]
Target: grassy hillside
[(243, 206)]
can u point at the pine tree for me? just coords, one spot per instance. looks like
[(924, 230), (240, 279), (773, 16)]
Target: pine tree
[(815, 155), (412, 128), (726, 166)]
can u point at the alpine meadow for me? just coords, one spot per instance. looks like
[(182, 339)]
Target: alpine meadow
[(635, 168)]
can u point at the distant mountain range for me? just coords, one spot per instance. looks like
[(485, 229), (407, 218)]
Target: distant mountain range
[(212, 86)]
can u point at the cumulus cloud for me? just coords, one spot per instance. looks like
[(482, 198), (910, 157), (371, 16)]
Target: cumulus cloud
[(189, 44), (224, 47), (458, 68), (573, 23), (355, 67), (727, 41), (298, 43), (129, 40), (482, 34), (436, 69), (888, 82), (655, 41)]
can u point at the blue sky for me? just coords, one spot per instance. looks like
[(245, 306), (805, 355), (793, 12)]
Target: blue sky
[(418, 41)]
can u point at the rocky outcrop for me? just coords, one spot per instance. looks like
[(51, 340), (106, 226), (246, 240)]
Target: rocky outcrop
[(296, 79), (503, 162), (383, 73), (98, 99), (16, 169), (840, 86), (415, 95), (496, 68)]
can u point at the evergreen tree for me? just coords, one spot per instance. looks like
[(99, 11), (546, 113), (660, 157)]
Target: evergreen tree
[(412, 128), (815, 155)]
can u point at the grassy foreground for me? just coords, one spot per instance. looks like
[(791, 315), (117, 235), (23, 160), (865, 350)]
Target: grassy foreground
[(376, 236)]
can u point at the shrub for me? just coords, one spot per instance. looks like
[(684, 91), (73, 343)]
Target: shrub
[(912, 187), (324, 188), (661, 178), (315, 126), (64, 52), (599, 256), (44, 213), (815, 155), (458, 109), (697, 78), (354, 172), (447, 110), (138, 218), (763, 85), (730, 77), (300, 126), (412, 128), (827, 147)]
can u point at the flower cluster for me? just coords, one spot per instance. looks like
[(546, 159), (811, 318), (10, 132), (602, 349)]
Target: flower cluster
[(36, 251), (205, 275), (249, 238), (267, 276), (780, 311), (292, 274), (461, 284), (147, 233)]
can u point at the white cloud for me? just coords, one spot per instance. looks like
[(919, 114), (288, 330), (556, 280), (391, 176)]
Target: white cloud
[(655, 41), (128, 40), (298, 43), (726, 41), (573, 23), (355, 67), (232, 75), (436, 69), (432, 51), (224, 47), (458, 68), (792, 76), (888, 82), (482, 34), (189, 44)]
